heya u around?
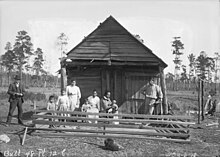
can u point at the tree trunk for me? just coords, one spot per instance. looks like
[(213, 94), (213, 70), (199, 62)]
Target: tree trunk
[(20, 72), (9, 77), (202, 96)]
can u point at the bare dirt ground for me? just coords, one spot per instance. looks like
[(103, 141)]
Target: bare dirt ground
[(205, 139)]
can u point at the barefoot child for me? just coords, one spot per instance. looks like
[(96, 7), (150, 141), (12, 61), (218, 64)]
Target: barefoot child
[(63, 104), (51, 106)]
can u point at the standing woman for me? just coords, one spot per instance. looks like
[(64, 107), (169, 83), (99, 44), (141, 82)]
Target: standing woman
[(74, 95), (106, 102)]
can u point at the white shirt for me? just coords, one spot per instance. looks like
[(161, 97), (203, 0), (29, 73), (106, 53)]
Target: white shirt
[(73, 91), (94, 102), (63, 101)]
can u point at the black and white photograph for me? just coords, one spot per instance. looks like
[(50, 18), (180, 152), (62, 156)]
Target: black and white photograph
[(114, 78)]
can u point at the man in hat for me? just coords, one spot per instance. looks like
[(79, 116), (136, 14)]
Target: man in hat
[(152, 94), (16, 92)]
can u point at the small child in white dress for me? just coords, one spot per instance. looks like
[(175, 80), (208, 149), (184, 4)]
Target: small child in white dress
[(85, 106), (63, 104), (114, 110), (51, 106)]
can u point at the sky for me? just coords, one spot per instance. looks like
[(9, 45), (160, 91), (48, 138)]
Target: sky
[(197, 22)]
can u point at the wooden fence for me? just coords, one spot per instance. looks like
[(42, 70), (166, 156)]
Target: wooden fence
[(191, 86), (81, 124)]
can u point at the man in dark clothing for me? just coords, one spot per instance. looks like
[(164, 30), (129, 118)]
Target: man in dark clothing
[(16, 92)]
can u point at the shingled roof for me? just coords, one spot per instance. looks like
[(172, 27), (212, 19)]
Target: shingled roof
[(111, 41)]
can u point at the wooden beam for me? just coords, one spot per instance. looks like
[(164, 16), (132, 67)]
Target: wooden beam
[(131, 132), (113, 120), (120, 115), (24, 136), (101, 124), (109, 136), (98, 62)]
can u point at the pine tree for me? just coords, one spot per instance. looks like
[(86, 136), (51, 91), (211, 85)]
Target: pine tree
[(22, 49), (205, 66), (192, 65), (9, 59), (177, 47)]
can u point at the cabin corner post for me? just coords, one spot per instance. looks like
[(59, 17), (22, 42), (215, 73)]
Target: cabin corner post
[(63, 76), (164, 91)]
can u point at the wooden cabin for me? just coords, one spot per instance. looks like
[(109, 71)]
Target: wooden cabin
[(111, 58)]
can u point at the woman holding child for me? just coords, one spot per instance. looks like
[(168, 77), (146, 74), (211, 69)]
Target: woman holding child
[(105, 102), (108, 106)]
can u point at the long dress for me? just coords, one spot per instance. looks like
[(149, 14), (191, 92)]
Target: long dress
[(74, 96)]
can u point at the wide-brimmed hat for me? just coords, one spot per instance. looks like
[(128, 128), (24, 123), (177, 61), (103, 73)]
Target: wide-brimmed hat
[(17, 77)]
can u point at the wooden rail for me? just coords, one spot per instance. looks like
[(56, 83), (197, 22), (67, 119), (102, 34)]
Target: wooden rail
[(120, 115)]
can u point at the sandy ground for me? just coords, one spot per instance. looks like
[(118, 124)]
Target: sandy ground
[(205, 139)]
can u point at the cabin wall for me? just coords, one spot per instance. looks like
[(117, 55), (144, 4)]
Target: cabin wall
[(125, 84), (86, 79)]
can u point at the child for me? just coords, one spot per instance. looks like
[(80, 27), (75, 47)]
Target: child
[(88, 108), (85, 106), (63, 104), (113, 110), (51, 106), (114, 107)]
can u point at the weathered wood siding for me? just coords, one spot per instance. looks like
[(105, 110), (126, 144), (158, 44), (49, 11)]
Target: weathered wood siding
[(125, 84), (111, 41), (134, 99), (87, 80)]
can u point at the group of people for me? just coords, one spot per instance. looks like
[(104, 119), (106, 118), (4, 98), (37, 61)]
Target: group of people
[(70, 100)]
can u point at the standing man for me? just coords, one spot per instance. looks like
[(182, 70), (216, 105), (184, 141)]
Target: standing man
[(16, 92), (74, 95), (152, 94)]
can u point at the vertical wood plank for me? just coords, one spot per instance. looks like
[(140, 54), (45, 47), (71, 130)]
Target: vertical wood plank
[(164, 90), (126, 93), (103, 84), (107, 79), (116, 91), (63, 79)]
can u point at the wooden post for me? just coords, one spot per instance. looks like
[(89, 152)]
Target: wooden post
[(202, 98), (199, 100), (218, 123), (164, 91), (63, 76), (115, 84), (24, 137)]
